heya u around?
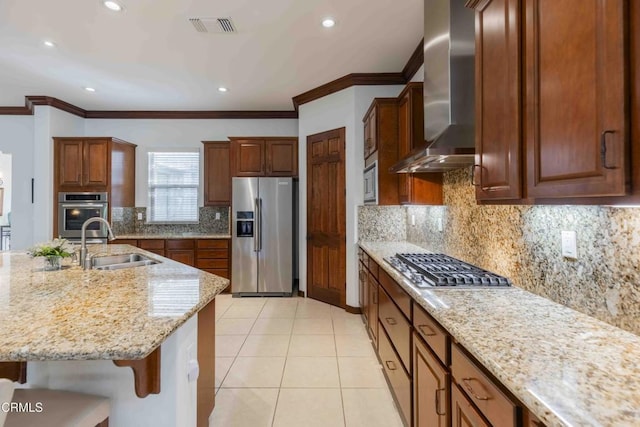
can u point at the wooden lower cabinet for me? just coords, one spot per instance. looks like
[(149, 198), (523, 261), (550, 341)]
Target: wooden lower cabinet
[(396, 326), (152, 245), (463, 413), (397, 377), (213, 257), (372, 315), (431, 388), (364, 290)]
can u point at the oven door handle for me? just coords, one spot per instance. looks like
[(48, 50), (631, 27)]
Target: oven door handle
[(83, 205)]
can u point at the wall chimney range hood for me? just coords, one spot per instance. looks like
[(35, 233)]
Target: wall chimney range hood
[(449, 90)]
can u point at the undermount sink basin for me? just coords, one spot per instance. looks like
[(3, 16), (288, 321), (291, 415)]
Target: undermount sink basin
[(117, 262)]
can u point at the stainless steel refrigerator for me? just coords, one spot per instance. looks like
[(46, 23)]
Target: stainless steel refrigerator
[(262, 236)]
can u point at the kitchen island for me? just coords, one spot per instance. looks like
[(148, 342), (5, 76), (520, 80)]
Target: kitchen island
[(569, 369), (71, 326)]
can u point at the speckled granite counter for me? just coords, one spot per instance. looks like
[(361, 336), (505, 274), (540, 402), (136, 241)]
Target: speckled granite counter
[(568, 368), (76, 314), (174, 236)]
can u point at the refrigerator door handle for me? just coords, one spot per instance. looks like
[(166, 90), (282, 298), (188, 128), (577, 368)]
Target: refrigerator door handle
[(257, 224), (260, 222)]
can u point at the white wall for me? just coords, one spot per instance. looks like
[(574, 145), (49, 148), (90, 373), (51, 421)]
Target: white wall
[(176, 134), (49, 122), (16, 137), (5, 175), (345, 108)]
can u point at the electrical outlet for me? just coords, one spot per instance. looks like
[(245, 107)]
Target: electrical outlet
[(217, 215), (440, 222), (139, 216), (413, 220), (569, 244)]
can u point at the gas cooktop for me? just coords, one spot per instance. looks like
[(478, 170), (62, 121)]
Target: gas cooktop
[(439, 270)]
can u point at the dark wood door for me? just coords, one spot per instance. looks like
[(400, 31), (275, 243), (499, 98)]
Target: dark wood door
[(326, 218), (217, 174), (576, 98), (249, 157), (463, 413), (185, 256), (70, 163), (282, 157), (96, 163), (498, 98), (430, 388), (363, 287)]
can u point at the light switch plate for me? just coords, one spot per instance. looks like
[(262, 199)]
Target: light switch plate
[(139, 216), (218, 215), (569, 244)]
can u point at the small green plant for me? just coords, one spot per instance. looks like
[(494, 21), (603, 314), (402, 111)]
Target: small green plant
[(57, 247)]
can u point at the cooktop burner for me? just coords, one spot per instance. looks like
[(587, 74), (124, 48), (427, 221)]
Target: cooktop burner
[(440, 270)]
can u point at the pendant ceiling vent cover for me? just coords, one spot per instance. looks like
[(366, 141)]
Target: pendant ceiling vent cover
[(213, 25)]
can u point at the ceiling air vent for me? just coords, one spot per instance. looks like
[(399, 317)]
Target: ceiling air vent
[(213, 25)]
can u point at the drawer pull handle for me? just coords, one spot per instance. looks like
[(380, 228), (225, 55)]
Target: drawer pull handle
[(603, 149), (391, 321), (438, 402), (432, 332), (391, 365), (467, 385)]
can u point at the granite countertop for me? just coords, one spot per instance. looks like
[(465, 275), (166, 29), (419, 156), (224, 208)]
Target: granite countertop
[(75, 314), (188, 235), (568, 368)]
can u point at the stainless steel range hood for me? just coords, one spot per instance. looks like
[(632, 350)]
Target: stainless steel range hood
[(449, 90)]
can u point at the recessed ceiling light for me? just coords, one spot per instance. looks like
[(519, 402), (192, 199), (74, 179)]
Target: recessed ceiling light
[(112, 5), (89, 89), (328, 22), (49, 43), (222, 89)]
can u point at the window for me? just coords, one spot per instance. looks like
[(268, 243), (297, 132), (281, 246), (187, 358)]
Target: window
[(173, 186)]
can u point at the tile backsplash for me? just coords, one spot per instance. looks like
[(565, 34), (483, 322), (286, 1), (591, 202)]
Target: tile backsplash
[(125, 221), (524, 244)]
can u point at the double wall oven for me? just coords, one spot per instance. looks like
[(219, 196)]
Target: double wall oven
[(75, 208)]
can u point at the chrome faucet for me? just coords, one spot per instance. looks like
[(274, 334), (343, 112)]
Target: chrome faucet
[(85, 261)]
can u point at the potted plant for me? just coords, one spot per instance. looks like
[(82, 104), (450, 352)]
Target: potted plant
[(53, 252)]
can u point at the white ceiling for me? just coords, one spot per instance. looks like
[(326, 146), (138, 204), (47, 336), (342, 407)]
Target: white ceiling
[(150, 57)]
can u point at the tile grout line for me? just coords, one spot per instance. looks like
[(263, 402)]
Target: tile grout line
[(284, 367), (335, 342)]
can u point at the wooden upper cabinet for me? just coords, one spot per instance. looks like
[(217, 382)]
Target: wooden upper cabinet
[(70, 161), (282, 157), (83, 163), (217, 173), (264, 156), (498, 170), (249, 157), (576, 98), (96, 163), (370, 135)]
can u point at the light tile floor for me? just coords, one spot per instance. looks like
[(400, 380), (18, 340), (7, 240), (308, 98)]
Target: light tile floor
[(291, 362)]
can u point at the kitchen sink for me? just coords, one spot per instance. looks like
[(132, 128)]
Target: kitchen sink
[(117, 262)]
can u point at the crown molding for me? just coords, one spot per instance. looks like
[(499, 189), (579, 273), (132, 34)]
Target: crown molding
[(344, 82), (32, 101), (414, 63), (197, 114)]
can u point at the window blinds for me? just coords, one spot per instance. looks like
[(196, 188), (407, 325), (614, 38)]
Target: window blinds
[(173, 186)]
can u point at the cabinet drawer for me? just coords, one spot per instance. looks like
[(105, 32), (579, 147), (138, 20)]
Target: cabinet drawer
[(212, 263), (396, 326), (180, 244), (151, 243), (213, 253), (222, 272), (432, 333), (497, 407), (160, 252), (131, 242), (213, 244), (397, 294), (395, 373)]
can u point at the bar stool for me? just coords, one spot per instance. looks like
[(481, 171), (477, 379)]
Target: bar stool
[(58, 408)]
